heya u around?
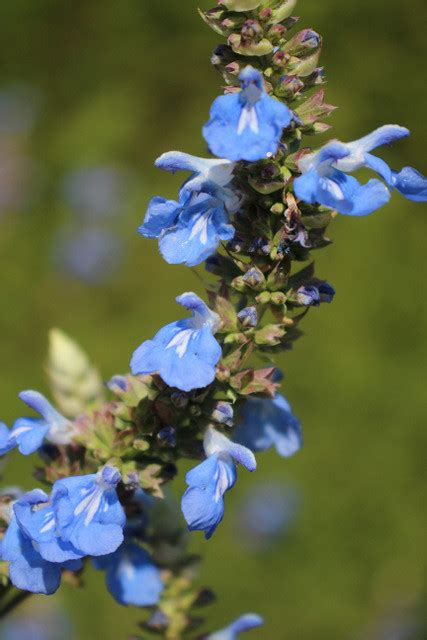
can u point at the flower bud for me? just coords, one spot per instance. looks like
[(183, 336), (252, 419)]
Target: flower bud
[(282, 10), (289, 86), (251, 32), (241, 5), (264, 297), (223, 413), (255, 279), (303, 43), (277, 208), (75, 382), (248, 317), (179, 399), (278, 298), (167, 437)]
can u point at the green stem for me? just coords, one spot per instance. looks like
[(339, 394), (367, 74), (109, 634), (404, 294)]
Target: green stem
[(14, 602)]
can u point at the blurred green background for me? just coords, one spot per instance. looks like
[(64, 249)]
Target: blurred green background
[(114, 84)]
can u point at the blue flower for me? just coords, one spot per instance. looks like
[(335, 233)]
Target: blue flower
[(203, 502), (185, 352), (247, 125), (269, 423), (189, 231), (244, 623), (28, 433), (324, 176), (88, 513), (37, 520), (132, 577), (28, 570)]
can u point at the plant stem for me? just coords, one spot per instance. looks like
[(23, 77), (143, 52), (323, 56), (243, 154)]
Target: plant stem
[(14, 602)]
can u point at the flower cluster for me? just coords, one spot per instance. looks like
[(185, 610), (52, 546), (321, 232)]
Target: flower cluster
[(82, 517), (252, 214)]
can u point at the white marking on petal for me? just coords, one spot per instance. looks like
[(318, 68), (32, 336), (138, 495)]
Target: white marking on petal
[(248, 117), (201, 228), (49, 524), (20, 431), (335, 189), (126, 567), (180, 342), (90, 504), (222, 483)]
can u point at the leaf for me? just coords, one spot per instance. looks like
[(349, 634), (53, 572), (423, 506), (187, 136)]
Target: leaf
[(270, 335), (234, 360), (314, 108), (227, 313), (253, 381)]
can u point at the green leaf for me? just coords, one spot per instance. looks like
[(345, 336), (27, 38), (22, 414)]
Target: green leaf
[(227, 313), (270, 335)]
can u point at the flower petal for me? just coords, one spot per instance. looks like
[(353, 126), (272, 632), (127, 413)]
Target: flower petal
[(411, 184), (383, 135), (161, 214)]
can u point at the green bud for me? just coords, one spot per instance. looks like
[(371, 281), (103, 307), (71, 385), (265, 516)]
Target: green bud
[(303, 43), (75, 382), (263, 298), (222, 373), (247, 47), (235, 338), (306, 66), (239, 284), (241, 5), (140, 444), (277, 208), (278, 298), (282, 11)]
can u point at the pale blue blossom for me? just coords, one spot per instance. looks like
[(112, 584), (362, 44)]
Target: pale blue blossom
[(28, 434), (324, 178), (184, 353), (246, 125), (203, 502)]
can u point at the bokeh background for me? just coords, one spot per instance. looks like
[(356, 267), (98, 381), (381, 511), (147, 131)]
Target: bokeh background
[(91, 93)]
